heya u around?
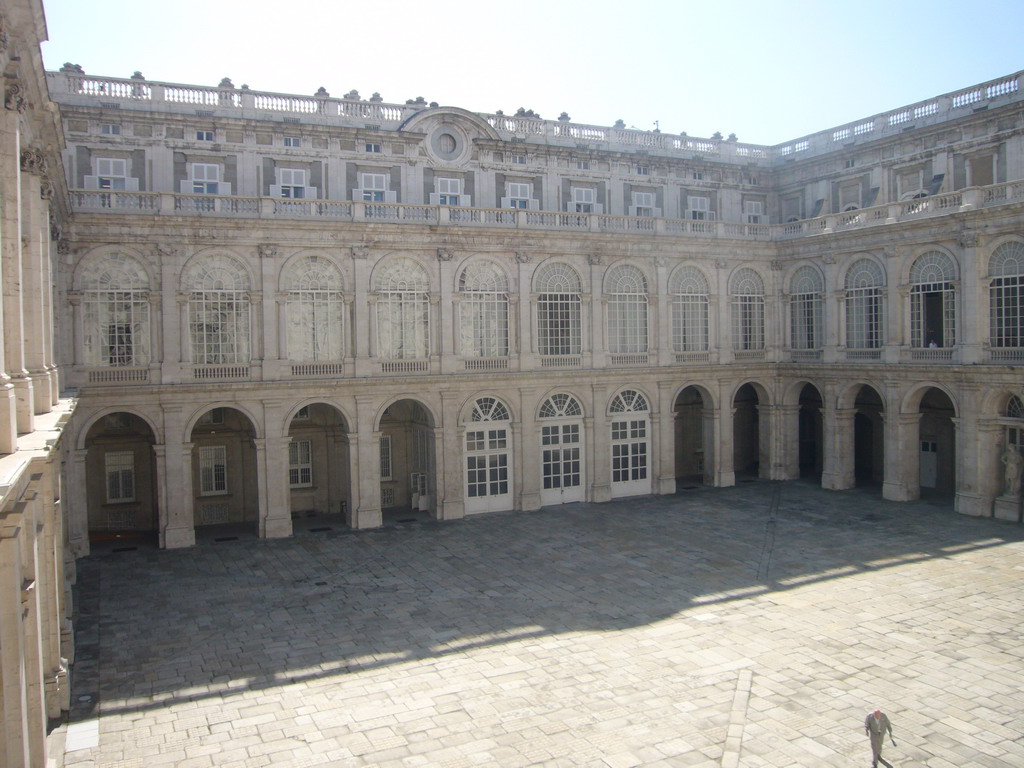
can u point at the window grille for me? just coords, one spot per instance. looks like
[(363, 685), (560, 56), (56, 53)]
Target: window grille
[(933, 301), (629, 437), (561, 460), (403, 305), (627, 310), (483, 310), (385, 457), (747, 291), (315, 311), (560, 406), (219, 311), (213, 470), (120, 468), (689, 289), (1006, 296), (806, 302), (559, 303), (864, 303), (300, 464), (115, 312)]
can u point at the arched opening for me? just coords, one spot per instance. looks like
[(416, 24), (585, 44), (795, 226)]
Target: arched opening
[(224, 477), (319, 479), (488, 457), (563, 471), (408, 486), (937, 444), (120, 471), (746, 433), (694, 445), (629, 417), (868, 438), (811, 453)]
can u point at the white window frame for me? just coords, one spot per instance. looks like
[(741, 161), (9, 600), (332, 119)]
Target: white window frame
[(110, 129), (448, 191), (120, 475), (291, 183), (373, 148), (698, 208), (292, 141), (374, 188), (386, 465), (583, 200), (202, 135), (205, 178), (213, 470), (753, 212), (643, 205), (300, 464), (519, 195)]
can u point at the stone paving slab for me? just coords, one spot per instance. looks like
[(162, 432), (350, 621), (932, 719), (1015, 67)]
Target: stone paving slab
[(709, 628)]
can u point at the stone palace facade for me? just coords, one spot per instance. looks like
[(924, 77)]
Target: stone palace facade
[(263, 305)]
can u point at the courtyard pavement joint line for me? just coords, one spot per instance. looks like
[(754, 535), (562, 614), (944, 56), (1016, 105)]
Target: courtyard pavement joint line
[(737, 718)]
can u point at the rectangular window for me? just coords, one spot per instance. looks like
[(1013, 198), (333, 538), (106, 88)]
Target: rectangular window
[(643, 170), (699, 208), (293, 182), (753, 211), (120, 467), (518, 194), (111, 173), (643, 203), (582, 200), (698, 176), (385, 457), (204, 135), (205, 178), (373, 148), (110, 129), (517, 159), (213, 470), (292, 141), (582, 165), (300, 464), (449, 191), (374, 186)]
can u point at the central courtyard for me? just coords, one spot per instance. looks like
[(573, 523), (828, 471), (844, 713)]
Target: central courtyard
[(748, 626)]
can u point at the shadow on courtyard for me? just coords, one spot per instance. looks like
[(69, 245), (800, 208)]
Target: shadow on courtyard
[(155, 627)]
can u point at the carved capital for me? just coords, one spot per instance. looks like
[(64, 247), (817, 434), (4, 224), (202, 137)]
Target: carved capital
[(45, 188), (63, 248), (967, 238), (778, 266), (524, 257), (721, 263), (595, 260), (828, 257), (445, 254), (33, 161), (266, 250), (360, 252), (14, 98), (165, 251)]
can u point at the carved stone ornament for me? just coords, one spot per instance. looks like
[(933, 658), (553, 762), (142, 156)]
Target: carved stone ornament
[(595, 259), (360, 252), (967, 238), (778, 266), (524, 257), (721, 263), (166, 251), (13, 98), (828, 257), (5, 37), (63, 248), (45, 188), (266, 250), (445, 254), (56, 231), (33, 161)]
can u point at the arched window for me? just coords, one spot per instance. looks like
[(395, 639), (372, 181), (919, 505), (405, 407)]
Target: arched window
[(115, 299), (559, 298), (488, 455), (806, 300), (1015, 429), (561, 440), (627, 310), (864, 301), (689, 289), (219, 317), (483, 310), (316, 310), (746, 290), (1006, 296), (630, 429), (403, 311), (933, 301)]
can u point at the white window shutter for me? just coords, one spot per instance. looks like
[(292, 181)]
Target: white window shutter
[(92, 182), (310, 192), (632, 210), (357, 194), (506, 202), (435, 198), (657, 212), (598, 208), (390, 197), (275, 190), (465, 201), (186, 187), (533, 205), (131, 184)]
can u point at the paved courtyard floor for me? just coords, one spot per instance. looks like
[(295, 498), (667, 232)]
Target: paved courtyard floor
[(750, 626)]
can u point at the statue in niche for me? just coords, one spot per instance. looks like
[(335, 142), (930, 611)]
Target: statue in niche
[(1014, 465)]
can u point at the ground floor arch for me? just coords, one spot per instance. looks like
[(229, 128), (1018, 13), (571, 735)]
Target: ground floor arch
[(868, 437), (488, 457), (936, 457), (319, 461), (810, 433), (694, 443), (225, 471), (408, 481), (750, 448), (562, 455)]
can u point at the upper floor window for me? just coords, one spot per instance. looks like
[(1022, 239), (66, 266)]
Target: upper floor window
[(292, 141), (205, 178), (699, 208), (111, 173), (115, 304), (315, 310), (1006, 296), (517, 195), (584, 200), (753, 212), (643, 170), (746, 291), (559, 297), (806, 300), (582, 165), (864, 303), (626, 293), (690, 292), (448, 191), (291, 183), (110, 129), (403, 311), (643, 205), (204, 135), (218, 308), (933, 301), (517, 158), (372, 147), (483, 311), (373, 189), (120, 469)]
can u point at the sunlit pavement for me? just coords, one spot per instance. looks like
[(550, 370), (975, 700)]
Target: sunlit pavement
[(710, 628)]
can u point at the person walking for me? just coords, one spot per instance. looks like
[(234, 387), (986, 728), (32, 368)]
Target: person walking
[(875, 726)]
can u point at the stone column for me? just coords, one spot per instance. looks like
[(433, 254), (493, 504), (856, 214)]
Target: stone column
[(725, 473), (663, 440), (77, 503), (972, 298), (598, 445), (723, 326), (184, 337), (434, 333), (174, 486), (450, 491), (32, 607), (984, 453), (274, 503), (902, 457), (15, 749), (35, 241), (527, 448), (11, 192), (366, 511), (448, 313), (363, 322), (525, 301), (838, 434), (785, 444), (593, 313), (10, 239), (156, 335), (283, 352)]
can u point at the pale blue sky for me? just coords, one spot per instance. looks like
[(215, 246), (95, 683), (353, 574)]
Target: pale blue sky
[(770, 71)]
